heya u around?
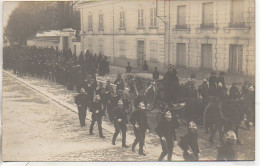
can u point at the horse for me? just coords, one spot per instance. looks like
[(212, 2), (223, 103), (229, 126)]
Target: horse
[(223, 116), (186, 104)]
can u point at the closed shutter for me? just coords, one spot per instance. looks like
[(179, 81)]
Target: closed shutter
[(237, 11), (207, 13), (181, 15), (181, 54), (235, 58), (206, 56)]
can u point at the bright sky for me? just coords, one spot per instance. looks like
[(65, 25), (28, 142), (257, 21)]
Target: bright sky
[(8, 7)]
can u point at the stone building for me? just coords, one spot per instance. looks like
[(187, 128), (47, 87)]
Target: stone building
[(215, 35)]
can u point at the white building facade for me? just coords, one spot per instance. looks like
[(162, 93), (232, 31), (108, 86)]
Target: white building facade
[(216, 35)]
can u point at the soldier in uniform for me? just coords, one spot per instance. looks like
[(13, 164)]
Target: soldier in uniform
[(128, 68), (82, 101), (107, 100), (155, 74), (189, 143), (221, 92), (90, 88), (97, 114), (119, 82), (139, 120), (166, 131), (221, 79), (234, 92), (226, 151), (120, 121), (212, 84)]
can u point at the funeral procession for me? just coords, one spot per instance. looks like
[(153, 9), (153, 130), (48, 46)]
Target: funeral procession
[(117, 80)]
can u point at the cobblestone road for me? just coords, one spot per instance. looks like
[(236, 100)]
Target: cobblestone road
[(37, 129)]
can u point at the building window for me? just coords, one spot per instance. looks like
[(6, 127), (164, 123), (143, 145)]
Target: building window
[(207, 15), (90, 45), (181, 54), (181, 17), (90, 22), (153, 50), (153, 18), (101, 46), (235, 58), (237, 14), (101, 22), (141, 18), (122, 49), (206, 56), (122, 20)]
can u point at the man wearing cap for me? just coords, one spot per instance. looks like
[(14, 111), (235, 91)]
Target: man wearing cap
[(120, 121), (82, 101), (107, 100), (221, 79), (226, 150), (171, 82), (189, 143), (90, 88), (139, 120), (233, 92), (212, 84), (166, 131), (119, 82), (221, 92), (203, 90), (97, 114)]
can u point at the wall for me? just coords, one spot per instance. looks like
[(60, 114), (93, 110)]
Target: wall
[(221, 36), (112, 34)]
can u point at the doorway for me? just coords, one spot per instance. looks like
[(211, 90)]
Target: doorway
[(140, 53), (65, 43)]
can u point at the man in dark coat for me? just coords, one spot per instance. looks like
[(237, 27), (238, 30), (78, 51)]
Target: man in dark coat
[(128, 68), (145, 66), (139, 120), (233, 92), (212, 84), (82, 101), (155, 74), (203, 90), (119, 82), (221, 79), (106, 64), (90, 88), (120, 121), (171, 82), (189, 143), (226, 151), (166, 131), (97, 114), (107, 100), (221, 93)]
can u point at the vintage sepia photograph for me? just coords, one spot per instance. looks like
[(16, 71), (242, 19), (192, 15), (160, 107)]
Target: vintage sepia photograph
[(128, 80)]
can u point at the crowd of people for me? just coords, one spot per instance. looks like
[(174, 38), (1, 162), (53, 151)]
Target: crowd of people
[(62, 67), (69, 70)]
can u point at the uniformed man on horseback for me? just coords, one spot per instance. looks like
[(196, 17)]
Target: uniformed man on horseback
[(171, 83)]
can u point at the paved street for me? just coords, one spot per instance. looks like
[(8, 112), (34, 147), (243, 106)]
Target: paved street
[(35, 128)]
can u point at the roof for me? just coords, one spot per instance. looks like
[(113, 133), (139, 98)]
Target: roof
[(50, 33)]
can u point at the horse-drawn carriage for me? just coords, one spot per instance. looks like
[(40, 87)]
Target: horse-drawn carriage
[(184, 101)]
